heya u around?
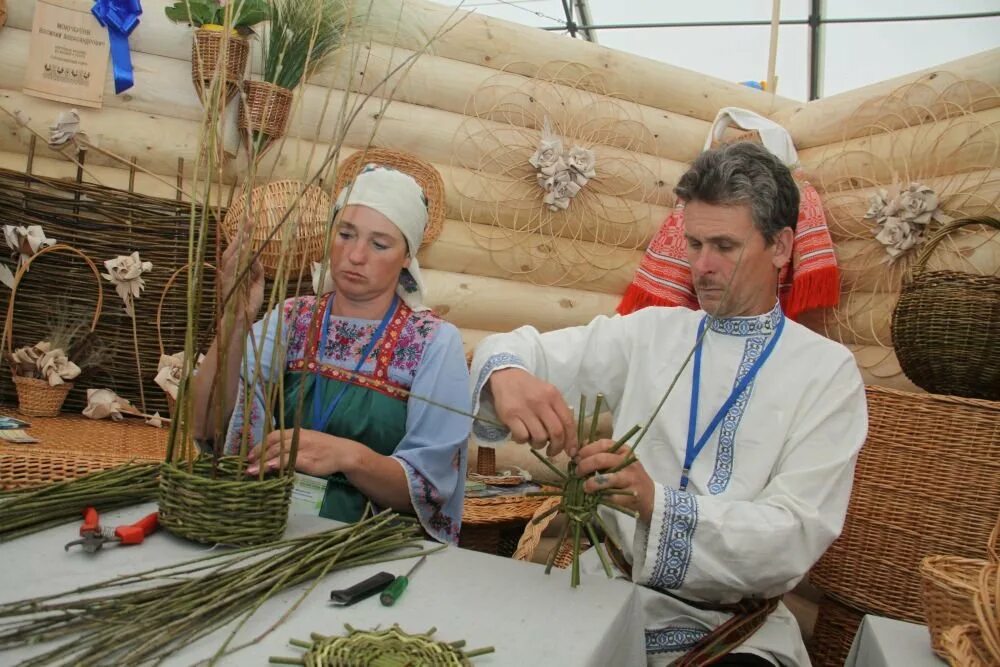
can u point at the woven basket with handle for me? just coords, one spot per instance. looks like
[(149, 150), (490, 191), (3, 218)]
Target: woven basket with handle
[(946, 325), (35, 396)]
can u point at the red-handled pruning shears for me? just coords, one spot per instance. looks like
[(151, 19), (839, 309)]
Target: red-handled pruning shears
[(93, 536)]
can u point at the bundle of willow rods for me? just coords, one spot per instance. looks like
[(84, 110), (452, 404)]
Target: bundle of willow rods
[(153, 614), (29, 511), (391, 647)]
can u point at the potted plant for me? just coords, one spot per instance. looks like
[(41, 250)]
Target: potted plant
[(213, 52), (300, 37)]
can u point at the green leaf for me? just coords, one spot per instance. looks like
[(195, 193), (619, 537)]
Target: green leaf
[(252, 13), (191, 11)]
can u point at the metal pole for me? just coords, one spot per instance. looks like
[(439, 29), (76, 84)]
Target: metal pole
[(570, 23), (583, 11), (815, 49)]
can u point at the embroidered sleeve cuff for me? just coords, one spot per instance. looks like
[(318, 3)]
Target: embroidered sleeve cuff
[(484, 433), (670, 541), (428, 505)]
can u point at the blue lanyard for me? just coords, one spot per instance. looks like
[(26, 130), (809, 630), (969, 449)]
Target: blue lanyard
[(693, 450), (321, 417)]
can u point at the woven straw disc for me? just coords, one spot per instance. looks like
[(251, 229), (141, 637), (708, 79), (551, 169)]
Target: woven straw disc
[(383, 647), (422, 172), (267, 207)]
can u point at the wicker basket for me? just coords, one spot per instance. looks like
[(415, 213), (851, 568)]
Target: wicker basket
[(987, 605), (495, 525), (269, 205), (223, 510), (963, 647), (422, 172), (206, 50), (35, 396), (919, 490), (949, 586), (833, 635), (532, 537), (266, 110), (171, 401), (946, 326)]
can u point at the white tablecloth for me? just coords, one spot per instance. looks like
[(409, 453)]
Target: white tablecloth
[(883, 642), (531, 618)]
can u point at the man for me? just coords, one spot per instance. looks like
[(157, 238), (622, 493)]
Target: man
[(744, 476)]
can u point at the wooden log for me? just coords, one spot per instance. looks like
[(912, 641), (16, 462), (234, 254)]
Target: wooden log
[(485, 251), (825, 121), (503, 45), (501, 305), (971, 194), (861, 318), (157, 141), (954, 146), (862, 268)]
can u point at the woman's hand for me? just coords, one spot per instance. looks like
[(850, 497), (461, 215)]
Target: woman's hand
[(319, 454), (632, 478)]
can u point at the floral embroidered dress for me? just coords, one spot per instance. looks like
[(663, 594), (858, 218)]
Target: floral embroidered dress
[(414, 351)]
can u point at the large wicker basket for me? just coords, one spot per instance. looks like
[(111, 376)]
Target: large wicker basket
[(35, 396), (422, 172), (921, 487), (209, 505), (206, 60), (278, 210), (946, 325)]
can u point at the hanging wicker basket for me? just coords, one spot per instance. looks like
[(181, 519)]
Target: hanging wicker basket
[(209, 504), (304, 227), (207, 61), (266, 110), (422, 172), (171, 401), (35, 396), (946, 325)]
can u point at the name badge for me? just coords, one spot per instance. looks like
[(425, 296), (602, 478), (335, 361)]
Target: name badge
[(307, 494)]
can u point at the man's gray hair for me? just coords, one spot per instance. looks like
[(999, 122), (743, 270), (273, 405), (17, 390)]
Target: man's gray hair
[(744, 173)]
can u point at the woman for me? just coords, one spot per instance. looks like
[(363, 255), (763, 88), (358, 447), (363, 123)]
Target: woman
[(374, 343)]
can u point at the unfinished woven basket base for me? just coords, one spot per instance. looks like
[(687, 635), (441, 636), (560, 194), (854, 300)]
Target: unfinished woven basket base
[(392, 646), (222, 510)]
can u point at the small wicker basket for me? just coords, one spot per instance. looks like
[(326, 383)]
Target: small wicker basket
[(266, 110), (206, 53), (217, 508), (35, 396), (946, 325)]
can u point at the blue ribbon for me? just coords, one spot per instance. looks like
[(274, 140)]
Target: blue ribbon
[(120, 17)]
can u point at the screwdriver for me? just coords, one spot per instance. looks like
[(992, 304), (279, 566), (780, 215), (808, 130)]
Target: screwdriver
[(394, 590)]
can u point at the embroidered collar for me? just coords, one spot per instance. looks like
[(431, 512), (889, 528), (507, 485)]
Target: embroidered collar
[(754, 325)]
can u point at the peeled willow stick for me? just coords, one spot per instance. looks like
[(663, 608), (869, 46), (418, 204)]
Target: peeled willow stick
[(29, 511), (388, 648), (153, 614)]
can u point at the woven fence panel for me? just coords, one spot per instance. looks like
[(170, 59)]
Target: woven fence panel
[(103, 223)]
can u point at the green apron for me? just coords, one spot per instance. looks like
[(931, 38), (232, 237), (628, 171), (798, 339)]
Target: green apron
[(364, 415)]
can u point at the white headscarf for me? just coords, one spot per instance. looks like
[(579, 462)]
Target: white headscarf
[(774, 137), (399, 198)]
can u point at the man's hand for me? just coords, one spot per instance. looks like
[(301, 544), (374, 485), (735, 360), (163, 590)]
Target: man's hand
[(319, 454), (533, 410), (595, 457), (249, 294)]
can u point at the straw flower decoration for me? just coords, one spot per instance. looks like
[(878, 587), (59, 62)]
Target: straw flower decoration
[(902, 217), (170, 370), (553, 185), (125, 273), (24, 242), (104, 403), (43, 361)]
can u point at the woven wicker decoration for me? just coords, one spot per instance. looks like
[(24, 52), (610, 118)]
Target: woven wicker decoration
[(924, 485), (35, 396), (209, 505), (836, 626), (393, 646), (282, 226), (946, 327), (423, 173), (206, 50)]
